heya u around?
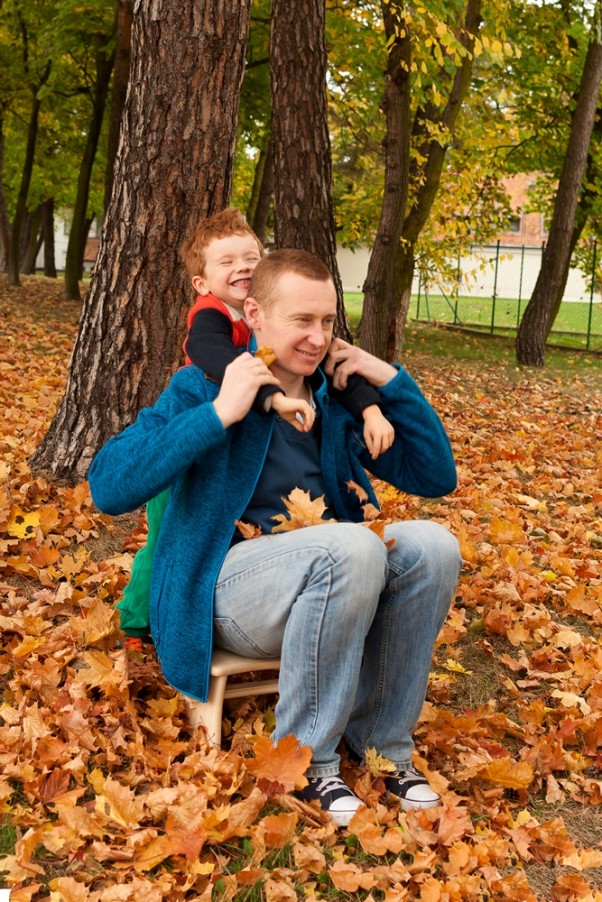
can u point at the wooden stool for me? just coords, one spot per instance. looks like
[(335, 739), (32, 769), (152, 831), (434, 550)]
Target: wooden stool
[(223, 665)]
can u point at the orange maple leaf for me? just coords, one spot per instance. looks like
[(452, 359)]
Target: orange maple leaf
[(279, 768), (248, 530), (302, 511)]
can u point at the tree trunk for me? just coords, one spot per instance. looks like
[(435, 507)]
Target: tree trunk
[(28, 265), (544, 303), (388, 285), (174, 166), (303, 208), (121, 76), (78, 233), (48, 236), (21, 207), (382, 287), (262, 191), (4, 221)]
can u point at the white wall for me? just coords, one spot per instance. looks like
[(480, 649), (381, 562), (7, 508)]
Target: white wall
[(516, 274)]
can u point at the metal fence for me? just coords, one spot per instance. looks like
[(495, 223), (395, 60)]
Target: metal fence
[(491, 288)]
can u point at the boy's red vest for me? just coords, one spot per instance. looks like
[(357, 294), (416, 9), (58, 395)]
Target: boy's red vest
[(240, 331)]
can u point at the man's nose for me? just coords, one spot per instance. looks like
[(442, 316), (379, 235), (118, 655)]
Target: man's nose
[(316, 336)]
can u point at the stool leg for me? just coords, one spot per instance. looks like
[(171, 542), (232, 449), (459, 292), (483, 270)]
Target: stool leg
[(209, 714)]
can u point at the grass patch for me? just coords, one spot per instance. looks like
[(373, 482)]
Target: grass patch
[(574, 320)]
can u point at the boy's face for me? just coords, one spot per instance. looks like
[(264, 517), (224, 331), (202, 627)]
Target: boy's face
[(229, 263), (297, 326)]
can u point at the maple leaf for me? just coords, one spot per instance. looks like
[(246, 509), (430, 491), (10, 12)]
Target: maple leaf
[(302, 511), (506, 772), (279, 768), (248, 530)]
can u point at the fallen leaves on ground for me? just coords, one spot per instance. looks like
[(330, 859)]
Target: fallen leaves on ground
[(105, 793)]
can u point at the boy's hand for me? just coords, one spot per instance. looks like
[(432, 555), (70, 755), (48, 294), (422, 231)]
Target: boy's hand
[(344, 359), (295, 411), (378, 432)]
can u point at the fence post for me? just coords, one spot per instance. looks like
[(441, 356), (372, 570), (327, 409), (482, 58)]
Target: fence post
[(520, 284), (418, 298), (494, 296), (591, 296)]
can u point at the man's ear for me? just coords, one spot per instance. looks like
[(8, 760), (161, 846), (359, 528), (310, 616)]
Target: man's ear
[(253, 312), (199, 285)]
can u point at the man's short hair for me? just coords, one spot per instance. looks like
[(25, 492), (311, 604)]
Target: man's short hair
[(277, 263), (221, 225)]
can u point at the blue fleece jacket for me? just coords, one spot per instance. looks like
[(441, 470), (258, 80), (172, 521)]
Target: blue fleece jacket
[(212, 472)]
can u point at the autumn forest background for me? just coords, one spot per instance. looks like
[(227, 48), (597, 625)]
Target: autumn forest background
[(386, 123)]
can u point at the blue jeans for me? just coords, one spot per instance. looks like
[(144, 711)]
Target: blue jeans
[(353, 622)]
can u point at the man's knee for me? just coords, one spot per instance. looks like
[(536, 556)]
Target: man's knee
[(361, 553)]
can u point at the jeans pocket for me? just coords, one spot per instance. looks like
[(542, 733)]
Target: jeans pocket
[(229, 636)]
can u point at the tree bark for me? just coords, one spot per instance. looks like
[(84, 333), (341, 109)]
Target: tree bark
[(303, 208), (121, 76), (388, 285), (174, 166), (78, 232), (545, 301)]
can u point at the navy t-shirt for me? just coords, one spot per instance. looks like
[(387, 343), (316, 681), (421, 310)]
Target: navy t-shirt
[(292, 461)]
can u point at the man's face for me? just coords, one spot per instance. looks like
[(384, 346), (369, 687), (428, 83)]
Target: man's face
[(229, 263), (298, 326)]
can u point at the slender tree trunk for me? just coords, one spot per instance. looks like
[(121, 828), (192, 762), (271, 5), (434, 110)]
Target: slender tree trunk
[(48, 236), (21, 207), (262, 191), (78, 233), (389, 279), (174, 166), (121, 76), (303, 208), (4, 221), (545, 301), (34, 223), (382, 287)]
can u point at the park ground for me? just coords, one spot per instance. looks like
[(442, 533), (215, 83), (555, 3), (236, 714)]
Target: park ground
[(105, 794)]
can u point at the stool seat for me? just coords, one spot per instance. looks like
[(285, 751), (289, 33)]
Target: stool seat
[(223, 665)]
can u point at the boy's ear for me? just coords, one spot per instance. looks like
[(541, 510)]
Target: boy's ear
[(199, 285), (253, 312)]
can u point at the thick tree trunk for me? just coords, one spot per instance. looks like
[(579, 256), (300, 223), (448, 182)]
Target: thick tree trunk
[(544, 303), (388, 283), (174, 165), (303, 208), (78, 232), (121, 75), (48, 237)]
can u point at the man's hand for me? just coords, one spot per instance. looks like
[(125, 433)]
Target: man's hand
[(242, 380), (345, 359), (295, 411)]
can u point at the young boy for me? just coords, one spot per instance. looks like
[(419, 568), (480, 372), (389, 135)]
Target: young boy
[(220, 256)]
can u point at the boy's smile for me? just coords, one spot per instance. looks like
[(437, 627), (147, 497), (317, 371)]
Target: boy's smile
[(229, 263)]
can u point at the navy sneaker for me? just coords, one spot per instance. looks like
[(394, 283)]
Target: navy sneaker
[(412, 789), (334, 796)]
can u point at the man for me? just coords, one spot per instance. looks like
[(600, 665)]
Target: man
[(353, 621)]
